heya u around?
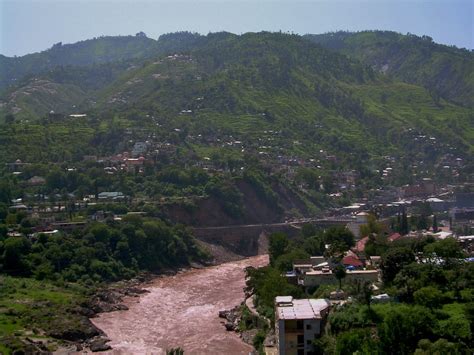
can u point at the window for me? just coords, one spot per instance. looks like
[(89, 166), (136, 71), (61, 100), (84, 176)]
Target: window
[(308, 326), (308, 342), (300, 352), (299, 324), (300, 340)]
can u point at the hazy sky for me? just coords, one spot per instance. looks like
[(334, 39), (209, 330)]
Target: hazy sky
[(33, 25)]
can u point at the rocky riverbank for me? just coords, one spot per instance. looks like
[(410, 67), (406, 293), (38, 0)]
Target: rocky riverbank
[(232, 319), (83, 334)]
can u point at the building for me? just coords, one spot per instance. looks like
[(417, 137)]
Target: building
[(111, 195), (360, 220), (393, 237), (464, 200), (134, 165), (360, 245), (425, 188), (327, 277), (36, 181), (298, 323), (139, 148)]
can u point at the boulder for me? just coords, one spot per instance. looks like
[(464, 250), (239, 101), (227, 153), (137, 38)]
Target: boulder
[(99, 345), (73, 330), (229, 326), (223, 314)]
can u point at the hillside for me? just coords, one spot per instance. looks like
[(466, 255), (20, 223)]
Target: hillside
[(444, 71), (244, 85), (82, 67), (271, 103), (93, 51)]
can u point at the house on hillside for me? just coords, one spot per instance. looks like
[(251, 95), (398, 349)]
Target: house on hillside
[(327, 277), (352, 261), (36, 181), (359, 248), (111, 195), (393, 237), (298, 322), (361, 218)]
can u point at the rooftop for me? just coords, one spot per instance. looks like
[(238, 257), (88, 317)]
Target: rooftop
[(307, 308), (348, 272)]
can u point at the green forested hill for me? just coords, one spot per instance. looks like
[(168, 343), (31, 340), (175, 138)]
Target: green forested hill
[(98, 50), (68, 76), (93, 51), (313, 99), (445, 71), (255, 82)]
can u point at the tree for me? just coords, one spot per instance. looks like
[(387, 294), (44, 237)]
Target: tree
[(364, 292), (394, 260), (356, 341), (341, 235), (435, 224), (429, 297), (14, 255), (340, 273), (308, 230), (447, 249), (372, 226), (5, 191), (9, 118), (440, 346), (409, 323), (404, 227), (314, 245), (285, 262), (277, 246), (56, 179)]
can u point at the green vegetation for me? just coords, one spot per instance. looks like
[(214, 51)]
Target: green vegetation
[(25, 310), (102, 252), (52, 276), (445, 71), (256, 128), (429, 282)]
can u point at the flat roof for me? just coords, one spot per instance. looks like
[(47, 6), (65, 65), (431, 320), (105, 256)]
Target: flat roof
[(284, 299), (308, 308), (348, 272), (302, 265)]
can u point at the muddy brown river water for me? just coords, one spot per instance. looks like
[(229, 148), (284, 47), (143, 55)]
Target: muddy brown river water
[(181, 311)]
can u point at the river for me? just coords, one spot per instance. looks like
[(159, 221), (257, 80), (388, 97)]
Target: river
[(181, 311)]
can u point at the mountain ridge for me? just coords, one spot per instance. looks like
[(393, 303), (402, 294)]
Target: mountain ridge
[(445, 71)]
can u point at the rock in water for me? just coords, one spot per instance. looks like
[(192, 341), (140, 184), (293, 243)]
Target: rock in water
[(229, 326), (99, 345)]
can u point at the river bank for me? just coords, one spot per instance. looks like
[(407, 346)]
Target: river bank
[(181, 311)]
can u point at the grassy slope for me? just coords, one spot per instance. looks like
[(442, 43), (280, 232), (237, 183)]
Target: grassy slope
[(26, 305)]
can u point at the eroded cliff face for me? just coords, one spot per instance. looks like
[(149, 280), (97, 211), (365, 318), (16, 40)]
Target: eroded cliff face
[(210, 212)]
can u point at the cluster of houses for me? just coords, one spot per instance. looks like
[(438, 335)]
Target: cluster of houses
[(319, 270)]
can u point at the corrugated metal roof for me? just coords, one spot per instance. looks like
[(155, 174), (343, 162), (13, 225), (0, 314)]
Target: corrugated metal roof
[(303, 309)]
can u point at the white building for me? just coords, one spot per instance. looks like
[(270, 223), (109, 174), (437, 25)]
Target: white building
[(298, 323)]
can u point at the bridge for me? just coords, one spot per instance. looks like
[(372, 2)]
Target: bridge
[(252, 239)]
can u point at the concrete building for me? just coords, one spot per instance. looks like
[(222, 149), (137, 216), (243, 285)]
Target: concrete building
[(327, 277), (139, 148), (361, 218), (298, 323)]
